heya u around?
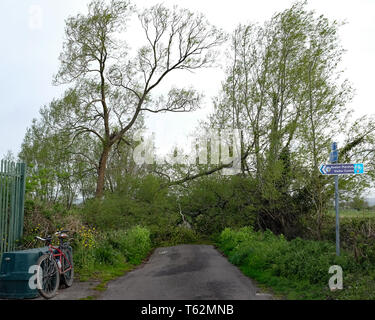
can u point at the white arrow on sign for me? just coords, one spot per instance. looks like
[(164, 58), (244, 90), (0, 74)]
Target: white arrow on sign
[(323, 169)]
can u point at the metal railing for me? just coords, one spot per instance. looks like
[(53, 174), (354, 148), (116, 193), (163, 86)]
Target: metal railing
[(12, 198)]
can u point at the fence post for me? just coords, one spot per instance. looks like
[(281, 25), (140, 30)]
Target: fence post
[(22, 197), (12, 200)]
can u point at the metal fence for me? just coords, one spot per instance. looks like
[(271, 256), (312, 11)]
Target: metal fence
[(12, 196)]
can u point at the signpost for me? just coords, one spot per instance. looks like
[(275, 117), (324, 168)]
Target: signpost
[(337, 169), (341, 168)]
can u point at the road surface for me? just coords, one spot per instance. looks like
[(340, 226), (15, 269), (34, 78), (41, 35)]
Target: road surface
[(185, 272)]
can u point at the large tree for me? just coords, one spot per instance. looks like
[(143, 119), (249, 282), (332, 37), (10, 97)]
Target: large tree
[(284, 89), (111, 90)]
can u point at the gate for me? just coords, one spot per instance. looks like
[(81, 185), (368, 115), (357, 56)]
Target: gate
[(12, 196)]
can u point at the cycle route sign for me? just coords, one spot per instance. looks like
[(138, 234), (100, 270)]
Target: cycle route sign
[(341, 168)]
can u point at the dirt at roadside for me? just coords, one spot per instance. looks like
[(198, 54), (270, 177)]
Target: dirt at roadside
[(78, 291)]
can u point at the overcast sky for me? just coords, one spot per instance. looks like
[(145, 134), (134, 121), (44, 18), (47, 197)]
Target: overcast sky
[(32, 34)]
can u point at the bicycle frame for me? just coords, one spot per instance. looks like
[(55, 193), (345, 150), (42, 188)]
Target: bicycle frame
[(59, 255)]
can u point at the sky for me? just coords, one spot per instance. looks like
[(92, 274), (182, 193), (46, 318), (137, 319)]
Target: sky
[(32, 33)]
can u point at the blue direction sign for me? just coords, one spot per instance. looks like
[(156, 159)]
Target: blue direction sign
[(341, 168)]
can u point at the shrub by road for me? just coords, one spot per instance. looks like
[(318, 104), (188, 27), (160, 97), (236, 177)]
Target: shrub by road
[(296, 269)]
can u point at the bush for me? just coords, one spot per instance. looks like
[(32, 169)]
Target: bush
[(171, 235), (134, 244), (183, 235), (104, 253), (217, 202), (83, 258), (275, 261), (42, 219), (230, 239), (138, 202), (309, 260), (92, 248), (358, 235)]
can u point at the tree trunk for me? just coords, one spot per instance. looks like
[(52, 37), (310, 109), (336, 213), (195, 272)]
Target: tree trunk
[(101, 172)]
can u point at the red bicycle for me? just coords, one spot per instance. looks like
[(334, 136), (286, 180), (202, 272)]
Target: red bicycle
[(55, 267)]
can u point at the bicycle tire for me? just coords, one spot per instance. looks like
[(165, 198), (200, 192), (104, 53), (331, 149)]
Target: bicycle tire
[(48, 276), (68, 277)]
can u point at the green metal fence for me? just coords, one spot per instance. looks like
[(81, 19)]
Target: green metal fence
[(12, 195)]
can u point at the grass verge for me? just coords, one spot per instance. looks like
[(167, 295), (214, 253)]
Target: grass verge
[(296, 269)]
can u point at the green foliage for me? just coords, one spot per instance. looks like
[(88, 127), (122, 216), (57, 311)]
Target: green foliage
[(309, 260), (104, 253), (283, 88), (171, 235), (134, 244), (183, 235), (139, 201), (358, 203), (358, 236), (92, 249), (215, 202), (297, 268)]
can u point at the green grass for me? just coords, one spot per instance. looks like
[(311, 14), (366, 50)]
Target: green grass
[(104, 273), (108, 273), (88, 298), (351, 213), (284, 288), (107, 256), (296, 269)]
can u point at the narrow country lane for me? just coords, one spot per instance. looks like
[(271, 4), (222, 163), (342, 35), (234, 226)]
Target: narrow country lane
[(185, 272)]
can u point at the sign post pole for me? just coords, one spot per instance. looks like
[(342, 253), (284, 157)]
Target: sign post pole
[(337, 215), (336, 169), (334, 159)]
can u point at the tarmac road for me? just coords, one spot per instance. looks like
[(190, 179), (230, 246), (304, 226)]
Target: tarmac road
[(185, 272)]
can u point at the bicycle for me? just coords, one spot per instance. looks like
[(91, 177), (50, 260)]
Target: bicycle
[(55, 267)]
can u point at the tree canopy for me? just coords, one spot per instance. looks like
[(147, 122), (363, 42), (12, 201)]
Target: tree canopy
[(284, 89)]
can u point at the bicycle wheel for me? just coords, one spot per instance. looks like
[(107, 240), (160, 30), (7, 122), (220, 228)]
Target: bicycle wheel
[(48, 276), (68, 277)]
